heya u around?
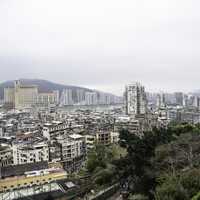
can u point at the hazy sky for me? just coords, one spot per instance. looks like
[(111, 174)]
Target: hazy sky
[(102, 44)]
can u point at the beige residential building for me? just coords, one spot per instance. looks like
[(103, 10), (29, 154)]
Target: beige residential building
[(25, 95), (21, 96)]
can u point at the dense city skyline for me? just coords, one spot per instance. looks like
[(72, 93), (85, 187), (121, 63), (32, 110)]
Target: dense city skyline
[(107, 90), (99, 99), (102, 45)]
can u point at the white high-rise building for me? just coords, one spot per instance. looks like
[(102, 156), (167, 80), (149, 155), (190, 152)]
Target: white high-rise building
[(9, 96), (66, 97), (136, 101), (48, 98), (179, 98), (185, 100), (196, 102), (104, 99), (80, 96), (91, 98), (160, 100)]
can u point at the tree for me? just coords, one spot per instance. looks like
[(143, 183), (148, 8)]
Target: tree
[(159, 151), (181, 186), (100, 163), (49, 197), (196, 197), (97, 157), (140, 168), (170, 189)]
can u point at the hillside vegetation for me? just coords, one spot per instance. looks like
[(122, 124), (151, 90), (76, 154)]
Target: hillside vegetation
[(162, 165)]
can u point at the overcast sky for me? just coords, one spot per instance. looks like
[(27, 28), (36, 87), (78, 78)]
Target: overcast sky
[(102, 44)]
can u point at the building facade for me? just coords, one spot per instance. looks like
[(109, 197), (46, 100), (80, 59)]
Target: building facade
[(26, 96), (179, 98), (66, 97), (46, 99), (135, 97), (160, 100), (91, 98), (30, 153), (9, 96)]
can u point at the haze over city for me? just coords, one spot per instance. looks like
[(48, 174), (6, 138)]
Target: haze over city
[(102, 45), (99, 100)]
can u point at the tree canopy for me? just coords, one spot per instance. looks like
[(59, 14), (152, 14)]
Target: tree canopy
[(164, 163)]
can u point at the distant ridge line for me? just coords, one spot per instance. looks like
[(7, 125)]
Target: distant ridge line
[(46, 86)]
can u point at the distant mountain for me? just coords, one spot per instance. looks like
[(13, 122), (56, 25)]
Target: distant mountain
[(43, 86)]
